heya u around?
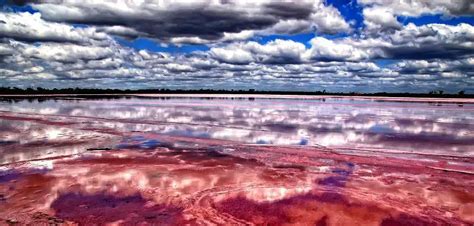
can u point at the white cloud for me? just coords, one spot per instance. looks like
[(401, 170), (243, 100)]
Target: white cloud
[(328, 20), (172, 67), (380, 18), (277, 51), (30, 27), (66, 52), (35, 69), (238, 36), (381, 15), (416, 8), (188, 40), (329, 50), (230, 55)]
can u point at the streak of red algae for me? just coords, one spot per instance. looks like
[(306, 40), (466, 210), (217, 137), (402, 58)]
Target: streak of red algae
[(178, 180), (104, 208), (316, 209)]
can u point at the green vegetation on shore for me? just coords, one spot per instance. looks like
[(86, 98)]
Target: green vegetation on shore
[(79, 91)]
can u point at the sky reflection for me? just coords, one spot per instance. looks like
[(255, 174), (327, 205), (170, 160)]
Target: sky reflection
[(214, 161), (341, 124)]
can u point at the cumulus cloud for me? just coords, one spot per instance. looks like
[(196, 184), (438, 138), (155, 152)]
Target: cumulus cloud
[(432, 41), (5, 50), (380, 19), (381, 15), (123, 31), (273, 52), (329, 50), (328, 20), (30, 27), (416, 8), (46, 49), (66, 52), (444, 68), (198, 21)]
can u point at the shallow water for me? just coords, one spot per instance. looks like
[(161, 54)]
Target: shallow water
[(331, 161)]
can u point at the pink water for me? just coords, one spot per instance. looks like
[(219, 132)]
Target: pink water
[(177, 161)]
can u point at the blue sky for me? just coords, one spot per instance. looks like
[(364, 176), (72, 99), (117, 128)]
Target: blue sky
[(302, 45)]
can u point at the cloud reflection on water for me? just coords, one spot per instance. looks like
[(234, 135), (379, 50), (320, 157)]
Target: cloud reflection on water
[(335, 123), (215, 161)]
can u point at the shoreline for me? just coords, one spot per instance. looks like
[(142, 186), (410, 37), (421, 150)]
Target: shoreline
[(258, 96)]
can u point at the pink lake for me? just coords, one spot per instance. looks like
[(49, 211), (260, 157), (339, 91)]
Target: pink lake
[(236, 161)]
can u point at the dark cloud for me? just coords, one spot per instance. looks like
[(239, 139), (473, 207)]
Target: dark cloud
[(428, 52), (21, 2), (208, 24), (204, 20), (466, 7), (288, 10)]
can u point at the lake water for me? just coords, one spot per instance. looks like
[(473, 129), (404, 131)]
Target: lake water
[(199, 161)]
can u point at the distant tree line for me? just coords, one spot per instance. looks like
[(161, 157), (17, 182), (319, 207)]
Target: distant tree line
[(79, 91)]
